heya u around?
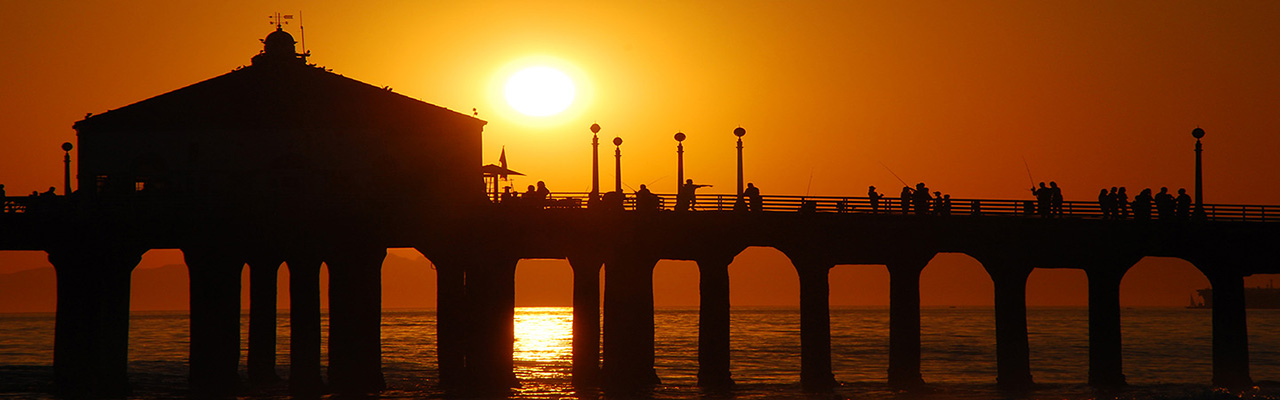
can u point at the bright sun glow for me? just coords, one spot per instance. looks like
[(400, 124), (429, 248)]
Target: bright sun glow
[(544, 335), (539, 91)]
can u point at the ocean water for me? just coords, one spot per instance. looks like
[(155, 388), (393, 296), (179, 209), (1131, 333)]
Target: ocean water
[(1167, 354)]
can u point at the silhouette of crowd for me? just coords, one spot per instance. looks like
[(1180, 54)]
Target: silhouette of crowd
[(1115, 204), (1048, 199), (917, 201), (534, 197)]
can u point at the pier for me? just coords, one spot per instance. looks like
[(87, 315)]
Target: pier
[(285, 163), (94, 253)]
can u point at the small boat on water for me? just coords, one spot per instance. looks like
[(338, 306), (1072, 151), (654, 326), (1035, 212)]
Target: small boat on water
[(1254, 297)]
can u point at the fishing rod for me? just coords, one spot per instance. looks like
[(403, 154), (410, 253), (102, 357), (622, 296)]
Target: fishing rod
[(886, 167), (810, 185), (1033, 180)]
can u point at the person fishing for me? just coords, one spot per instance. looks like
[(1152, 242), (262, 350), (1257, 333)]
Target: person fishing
[(904, 200), (686, 198), (874, 198), (920, 199), (645, 199), (1043, 197)]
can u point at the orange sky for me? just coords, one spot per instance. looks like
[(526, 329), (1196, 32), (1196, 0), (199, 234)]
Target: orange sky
[(955, 94)]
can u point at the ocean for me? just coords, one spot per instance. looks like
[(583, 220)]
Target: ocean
[(1167, 354)]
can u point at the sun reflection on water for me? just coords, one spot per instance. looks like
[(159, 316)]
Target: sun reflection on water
[(544, 344)]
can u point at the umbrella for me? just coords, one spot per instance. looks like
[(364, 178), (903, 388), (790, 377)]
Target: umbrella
[(494, 170)]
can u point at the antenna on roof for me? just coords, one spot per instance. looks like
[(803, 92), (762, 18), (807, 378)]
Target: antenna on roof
[(303, 33), (278, 20)]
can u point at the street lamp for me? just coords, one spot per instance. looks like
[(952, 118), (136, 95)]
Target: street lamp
[(739, 132), (1199, 210), (617, 172), (679, 160), (595, 165), (66, 168)]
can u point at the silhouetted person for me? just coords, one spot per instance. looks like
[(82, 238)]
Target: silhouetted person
[(808, 206), (612, 200), (1115, 203), (529, 198), (686, 198), (937, 203), (946, 205), (875, 199), (905, 200), (1182, 205), (1122, 203), (1142, 205), (920, 199), (646, 200), (53, 191), (755, 203), (1055, 199), (1043, 197), (542, 195), (507, 196), (1104, 204), (1164, 204)]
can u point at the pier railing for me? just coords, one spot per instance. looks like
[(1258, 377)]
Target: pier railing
[(886, 205), (813, 204)]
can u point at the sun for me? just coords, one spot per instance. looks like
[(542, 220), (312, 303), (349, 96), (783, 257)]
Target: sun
[(539, 91)]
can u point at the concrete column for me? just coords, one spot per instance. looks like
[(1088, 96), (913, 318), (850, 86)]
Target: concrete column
[(262, 320), (1105, 351), (491, 292), (1013, 353), (904, 323), (91, 336), (451, 321), (628, 324), (304, 325), (815, 326), (713, 323), (355, 320), (215, 319), (1230, 332), (586, 320)]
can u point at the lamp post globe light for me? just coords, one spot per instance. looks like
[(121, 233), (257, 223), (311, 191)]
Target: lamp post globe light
[(595, 165), (679, 160), (66, 168), (1198, 213), (739, 132), (617, 172)]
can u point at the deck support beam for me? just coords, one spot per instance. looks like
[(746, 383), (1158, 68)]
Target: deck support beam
[(91, 334), (628, 324), (713, 322), (215, 319)]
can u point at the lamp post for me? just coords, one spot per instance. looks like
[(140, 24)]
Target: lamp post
[(617, 171), (66, 168), (739, 132), (595, 165), (1199, 210), (679, 160)]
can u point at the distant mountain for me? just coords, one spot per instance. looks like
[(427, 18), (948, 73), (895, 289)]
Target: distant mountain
[(31, 290)]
